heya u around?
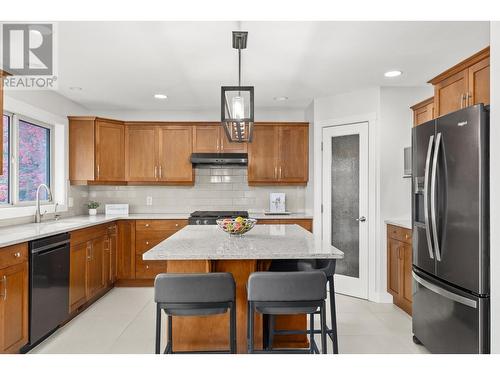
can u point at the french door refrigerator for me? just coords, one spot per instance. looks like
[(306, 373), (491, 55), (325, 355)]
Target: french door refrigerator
[(450, 217)]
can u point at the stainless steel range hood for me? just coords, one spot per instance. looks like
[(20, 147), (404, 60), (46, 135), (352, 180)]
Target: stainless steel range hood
[(219, 158)]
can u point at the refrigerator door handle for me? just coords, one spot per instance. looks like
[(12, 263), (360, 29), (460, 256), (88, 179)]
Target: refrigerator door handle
[(433, 198), (426, 196), (445, 293)]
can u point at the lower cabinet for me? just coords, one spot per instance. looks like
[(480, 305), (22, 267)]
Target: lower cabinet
[(13, 298), (399, 264), (90, 265)]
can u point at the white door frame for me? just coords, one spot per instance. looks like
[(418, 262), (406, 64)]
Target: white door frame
[(352, 286), (375, 259)]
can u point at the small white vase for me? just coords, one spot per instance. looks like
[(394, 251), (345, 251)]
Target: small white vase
[(92, 211)]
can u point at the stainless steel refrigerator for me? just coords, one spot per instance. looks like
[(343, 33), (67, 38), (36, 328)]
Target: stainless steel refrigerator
[(450, 214)]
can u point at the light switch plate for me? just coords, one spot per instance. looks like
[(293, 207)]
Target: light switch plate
[(149, 201)]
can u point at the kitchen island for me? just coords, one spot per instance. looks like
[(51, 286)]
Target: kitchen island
[(206, 248)]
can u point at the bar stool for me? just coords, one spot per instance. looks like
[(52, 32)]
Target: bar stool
[(197, 294), (300, 265), (286, 293)]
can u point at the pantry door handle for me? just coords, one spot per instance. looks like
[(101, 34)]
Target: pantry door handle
[(4, 282)]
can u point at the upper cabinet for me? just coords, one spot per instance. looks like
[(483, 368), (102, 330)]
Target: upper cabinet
[(96, 151), (463, 85), (423, 111), (211, 137), (159, 154), (278, 154)]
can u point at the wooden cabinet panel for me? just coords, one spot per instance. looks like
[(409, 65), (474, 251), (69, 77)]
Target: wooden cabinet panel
[(95, 274), (106, 264), (148, 269), (14, 254), (479, 82), (146, 240), (13, 307), (174, 156), (110, 150), (406, 277), (393, 270), (113, 243), (159, 225), (126, 250), (206, 138), (141, 150), (81, 149), (449, 93), (293, 153), (78, 275), (263, 155), (399, 266), (423, 111)]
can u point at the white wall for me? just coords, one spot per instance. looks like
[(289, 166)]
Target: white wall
[(495, 186)]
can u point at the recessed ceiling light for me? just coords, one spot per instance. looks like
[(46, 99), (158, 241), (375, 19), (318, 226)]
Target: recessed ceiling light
[(280, 98), (160, 96), (75, 88), (392, 73)]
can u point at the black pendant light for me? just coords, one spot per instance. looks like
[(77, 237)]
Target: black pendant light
[(237, 109)]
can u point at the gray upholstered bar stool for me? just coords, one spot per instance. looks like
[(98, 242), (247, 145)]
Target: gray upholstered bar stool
[(286, 293), (195, 294), (328, 267)]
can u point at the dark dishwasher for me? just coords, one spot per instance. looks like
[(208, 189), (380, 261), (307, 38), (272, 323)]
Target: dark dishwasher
[(49, 286)]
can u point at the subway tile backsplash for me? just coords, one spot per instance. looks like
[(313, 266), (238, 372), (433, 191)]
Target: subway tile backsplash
[(216, 188)]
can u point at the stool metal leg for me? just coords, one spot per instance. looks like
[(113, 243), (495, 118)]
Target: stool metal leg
[(250, 319), (170, 346), (333, 313), (311, 333), (158, 329), (323, 328), (232, 328), (270, 335)]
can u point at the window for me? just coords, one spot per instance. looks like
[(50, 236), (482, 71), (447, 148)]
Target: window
[(33, 160), (26, 162), (4, 178)]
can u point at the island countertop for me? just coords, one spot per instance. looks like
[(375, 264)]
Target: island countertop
[(262, 242)]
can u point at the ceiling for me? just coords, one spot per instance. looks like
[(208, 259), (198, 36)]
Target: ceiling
[(120, 65)]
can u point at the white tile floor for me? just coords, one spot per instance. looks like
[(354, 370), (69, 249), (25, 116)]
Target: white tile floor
[(123, 322)]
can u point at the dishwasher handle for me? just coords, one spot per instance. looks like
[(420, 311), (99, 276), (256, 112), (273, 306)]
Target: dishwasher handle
[(52, 249), (49, 247)]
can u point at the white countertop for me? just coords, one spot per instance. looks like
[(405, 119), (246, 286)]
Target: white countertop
[(14, 234), (262, 242), (404, 223)]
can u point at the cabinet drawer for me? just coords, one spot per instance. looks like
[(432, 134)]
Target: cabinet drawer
[(152, 225), (12, 255), (399, 233), (148, 269), (87, 234), (147, 239)]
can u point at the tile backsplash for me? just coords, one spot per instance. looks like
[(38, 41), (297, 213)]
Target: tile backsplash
[(216, 188)]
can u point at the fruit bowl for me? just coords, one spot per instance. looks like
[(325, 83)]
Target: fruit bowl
[(236, 227)]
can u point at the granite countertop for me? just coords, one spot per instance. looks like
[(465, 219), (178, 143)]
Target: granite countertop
[(14, 234), (262, 242), (404, 223)]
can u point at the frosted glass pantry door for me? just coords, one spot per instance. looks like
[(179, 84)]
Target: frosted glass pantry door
[(345, 203)]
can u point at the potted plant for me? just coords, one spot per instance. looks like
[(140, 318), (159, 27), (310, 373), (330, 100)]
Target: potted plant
[(92, 206)]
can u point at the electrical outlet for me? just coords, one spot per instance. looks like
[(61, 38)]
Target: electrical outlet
[(149, 201), (70, 202)]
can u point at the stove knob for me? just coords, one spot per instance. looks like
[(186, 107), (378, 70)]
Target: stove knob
[(205, 221), (198, 221)]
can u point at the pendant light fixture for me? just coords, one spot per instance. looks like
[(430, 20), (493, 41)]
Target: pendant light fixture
[(237, 109)]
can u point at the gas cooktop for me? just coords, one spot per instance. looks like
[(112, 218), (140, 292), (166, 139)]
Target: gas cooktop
[(210, 217)]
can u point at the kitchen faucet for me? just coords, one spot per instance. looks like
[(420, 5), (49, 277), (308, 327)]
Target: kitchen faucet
[(38, 214)]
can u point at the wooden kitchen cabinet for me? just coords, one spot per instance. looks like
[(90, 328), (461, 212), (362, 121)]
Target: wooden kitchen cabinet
[(159, 154), (78, 275), (211, 137), (278, 154), (95, 267), (423, 111), (13, 298), (96, 151), (113, 252), (463, 85), (399, 266)]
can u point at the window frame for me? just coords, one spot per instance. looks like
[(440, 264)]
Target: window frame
[(10, 115), (14, 160)]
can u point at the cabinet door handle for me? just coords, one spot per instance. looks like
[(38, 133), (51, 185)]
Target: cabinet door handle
[(147, 242), (156, 172), (177, 225), (160, 172), (98, 171), (146, 225), (280, 173), (469, 99), (275, 172), (4, 282), (17, 255)]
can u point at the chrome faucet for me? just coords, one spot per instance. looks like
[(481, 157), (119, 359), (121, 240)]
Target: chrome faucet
[(38, 214)]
